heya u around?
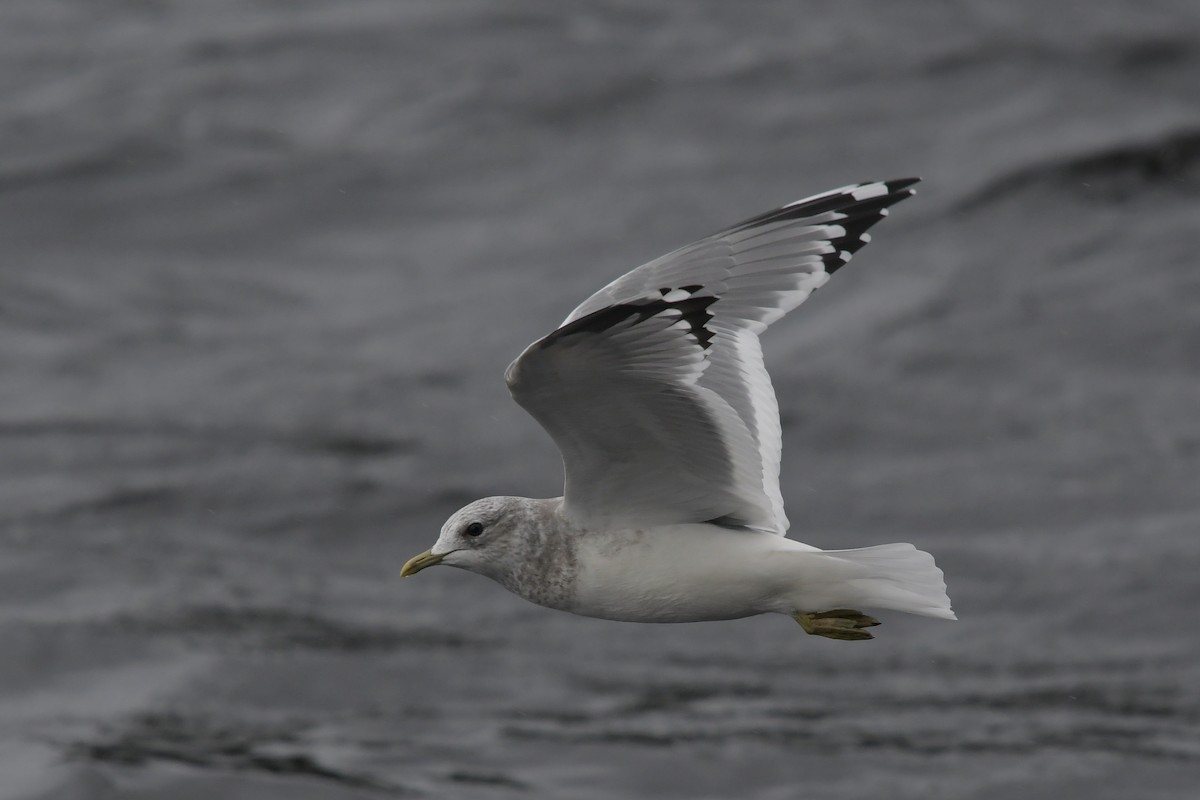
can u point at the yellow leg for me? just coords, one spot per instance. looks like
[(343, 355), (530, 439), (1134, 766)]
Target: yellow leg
[(840, 623)]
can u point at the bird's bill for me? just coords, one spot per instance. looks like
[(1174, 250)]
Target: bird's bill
[(420, 562)]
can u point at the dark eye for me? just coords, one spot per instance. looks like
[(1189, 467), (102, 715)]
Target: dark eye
[(474, 529)]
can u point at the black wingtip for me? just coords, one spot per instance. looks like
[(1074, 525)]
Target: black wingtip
[(901, 183), (861, 205), (848, 198)]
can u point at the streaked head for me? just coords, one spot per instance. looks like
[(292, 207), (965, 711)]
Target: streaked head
[(478, 537)]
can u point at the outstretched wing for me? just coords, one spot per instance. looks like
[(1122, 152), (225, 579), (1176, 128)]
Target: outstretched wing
[(654, 388)]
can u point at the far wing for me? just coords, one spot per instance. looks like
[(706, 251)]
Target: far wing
[(654, 388)]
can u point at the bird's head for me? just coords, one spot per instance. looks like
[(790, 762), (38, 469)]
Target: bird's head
[(480, 537)]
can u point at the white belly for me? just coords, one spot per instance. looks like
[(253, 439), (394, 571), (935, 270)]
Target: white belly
[(683, 573)]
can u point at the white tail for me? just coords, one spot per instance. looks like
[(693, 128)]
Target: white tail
[(896, 576)]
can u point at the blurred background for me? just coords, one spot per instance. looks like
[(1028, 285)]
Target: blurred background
[(263, 263)]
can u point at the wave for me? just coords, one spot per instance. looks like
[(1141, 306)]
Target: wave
[(1111, 172)]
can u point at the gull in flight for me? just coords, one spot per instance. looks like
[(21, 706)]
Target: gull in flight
[(655, 391)]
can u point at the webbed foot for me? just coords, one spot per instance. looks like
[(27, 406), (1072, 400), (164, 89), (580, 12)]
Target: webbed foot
[(839, 623)]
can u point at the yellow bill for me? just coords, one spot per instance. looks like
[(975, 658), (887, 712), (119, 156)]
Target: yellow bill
[(420, 562)]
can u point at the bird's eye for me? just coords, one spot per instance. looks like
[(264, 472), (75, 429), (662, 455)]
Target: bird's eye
[(474, 529)]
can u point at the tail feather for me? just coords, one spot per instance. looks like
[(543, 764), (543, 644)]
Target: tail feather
[(896, 576)]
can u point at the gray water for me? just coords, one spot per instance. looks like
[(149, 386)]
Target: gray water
[(262, 265)]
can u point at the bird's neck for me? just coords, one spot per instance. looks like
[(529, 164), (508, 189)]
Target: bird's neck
[(543, 560)]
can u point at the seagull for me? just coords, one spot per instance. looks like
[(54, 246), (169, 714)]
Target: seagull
[(655, 392)]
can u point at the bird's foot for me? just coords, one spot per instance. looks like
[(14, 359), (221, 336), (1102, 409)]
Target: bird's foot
[(840, 623)]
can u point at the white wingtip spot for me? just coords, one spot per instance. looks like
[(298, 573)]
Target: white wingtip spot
[(834, 231), (883, 212), (675, 295), (866, 237), (870, 190), (844, 255)]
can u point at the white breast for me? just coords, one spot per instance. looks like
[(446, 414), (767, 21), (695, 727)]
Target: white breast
[(680, 573)]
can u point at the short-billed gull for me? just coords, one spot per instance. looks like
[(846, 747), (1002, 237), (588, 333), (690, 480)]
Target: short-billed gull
[(655, 391)]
